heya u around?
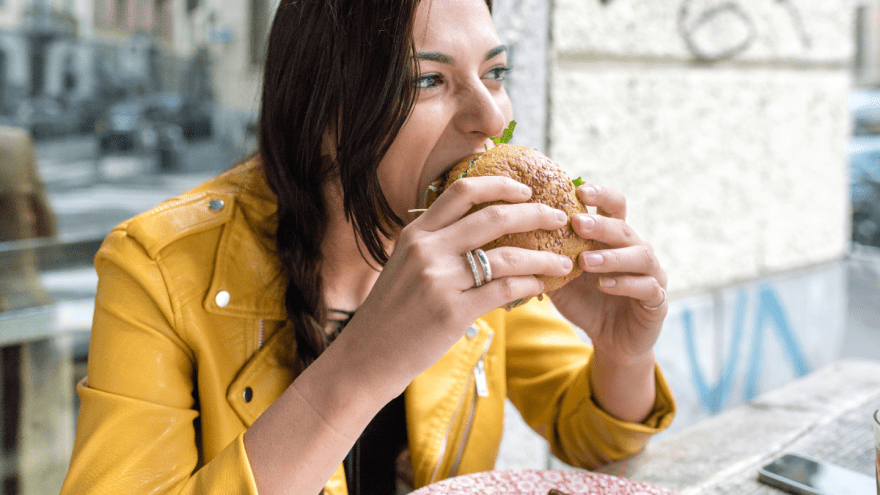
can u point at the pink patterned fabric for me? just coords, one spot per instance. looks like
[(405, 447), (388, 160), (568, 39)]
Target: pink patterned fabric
[(539, 482)]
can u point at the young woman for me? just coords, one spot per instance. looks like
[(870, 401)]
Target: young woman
[(210, 369)]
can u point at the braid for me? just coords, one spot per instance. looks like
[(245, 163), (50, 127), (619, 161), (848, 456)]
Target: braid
[(298, 239), (332, 66)]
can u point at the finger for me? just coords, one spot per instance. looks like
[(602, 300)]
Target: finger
[(464, 194), (608, 202), (502, 291), (512, 261), (633, 259), (644, 289), (494, 221), (606, 230)]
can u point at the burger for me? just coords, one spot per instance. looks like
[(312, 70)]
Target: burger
[(550, 186)]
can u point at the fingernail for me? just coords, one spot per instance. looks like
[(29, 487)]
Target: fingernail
[(591, 191), (525, 190), (566, 262), (607, 282), (561, 216), (594, 259), (587, 222)]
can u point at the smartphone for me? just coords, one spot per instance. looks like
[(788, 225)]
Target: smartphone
[(797, 473)]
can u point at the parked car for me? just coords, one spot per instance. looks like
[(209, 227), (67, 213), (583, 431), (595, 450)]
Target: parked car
[(197, 120), (144, 126), (86, 111), (122, 129), (45, 117), (134, 125), (194, 118), (864, 161)]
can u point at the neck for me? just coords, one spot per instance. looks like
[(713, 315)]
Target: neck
[(348, 271)]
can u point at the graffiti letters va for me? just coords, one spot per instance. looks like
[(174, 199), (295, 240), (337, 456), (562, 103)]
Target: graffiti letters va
[(769, 312)]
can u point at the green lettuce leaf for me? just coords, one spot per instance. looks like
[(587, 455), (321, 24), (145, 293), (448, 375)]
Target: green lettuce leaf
[(506, 135)]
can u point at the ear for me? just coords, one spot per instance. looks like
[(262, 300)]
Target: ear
[(329, 144)]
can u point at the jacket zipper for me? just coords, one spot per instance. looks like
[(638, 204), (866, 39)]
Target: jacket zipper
[(260, 339), (480, 390)]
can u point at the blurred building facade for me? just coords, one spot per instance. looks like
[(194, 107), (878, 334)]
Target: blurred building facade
[(233, 35), (68, 56)]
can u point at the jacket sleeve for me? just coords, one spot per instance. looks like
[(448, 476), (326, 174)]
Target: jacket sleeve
[(137, 430), (548, 369)]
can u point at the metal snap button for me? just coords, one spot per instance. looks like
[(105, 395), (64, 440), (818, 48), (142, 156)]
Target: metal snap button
[(248, 394), (222, 299), (216, 205), (471, 332)]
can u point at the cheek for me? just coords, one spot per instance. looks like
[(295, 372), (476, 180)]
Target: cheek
[(402, 169), (399, 174)]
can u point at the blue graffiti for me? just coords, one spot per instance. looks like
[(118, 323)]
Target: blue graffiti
[(769, 310), (769, 307), (713, 398)]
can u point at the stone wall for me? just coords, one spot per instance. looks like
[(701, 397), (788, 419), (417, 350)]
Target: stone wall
[(734, 168), (725, 125)]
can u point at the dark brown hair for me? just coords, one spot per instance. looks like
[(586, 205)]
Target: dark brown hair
[(346, 65)]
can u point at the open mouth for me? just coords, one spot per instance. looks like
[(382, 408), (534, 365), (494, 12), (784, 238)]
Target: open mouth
[(436, 187)]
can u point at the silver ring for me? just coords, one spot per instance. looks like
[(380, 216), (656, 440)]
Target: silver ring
[(484, 262), (659, 305), (470, 258)]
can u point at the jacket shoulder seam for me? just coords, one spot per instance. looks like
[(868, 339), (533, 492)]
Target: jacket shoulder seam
[(179, 218)]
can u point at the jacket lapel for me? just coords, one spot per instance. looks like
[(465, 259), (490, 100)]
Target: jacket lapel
[(248, 270), (262, 380)]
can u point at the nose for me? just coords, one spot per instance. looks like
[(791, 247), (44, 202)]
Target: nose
[(483, 112)]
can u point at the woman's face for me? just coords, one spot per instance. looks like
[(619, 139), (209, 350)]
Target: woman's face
[(460, 104)]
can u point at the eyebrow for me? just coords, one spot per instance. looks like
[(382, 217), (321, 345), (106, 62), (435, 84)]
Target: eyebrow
[(446, 59)]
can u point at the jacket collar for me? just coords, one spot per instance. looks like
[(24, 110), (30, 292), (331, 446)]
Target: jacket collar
[(247, 268)]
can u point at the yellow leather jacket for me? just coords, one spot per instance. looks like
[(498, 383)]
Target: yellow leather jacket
[(182, 361)]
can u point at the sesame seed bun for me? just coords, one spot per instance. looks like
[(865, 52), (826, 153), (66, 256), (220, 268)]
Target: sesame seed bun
[(550, 186)]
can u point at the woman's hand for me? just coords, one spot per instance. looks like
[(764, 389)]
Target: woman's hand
[(622, 280), (425, 297)]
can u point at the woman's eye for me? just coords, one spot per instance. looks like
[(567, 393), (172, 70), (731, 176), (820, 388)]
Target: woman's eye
[(429, 81), (499, 73)]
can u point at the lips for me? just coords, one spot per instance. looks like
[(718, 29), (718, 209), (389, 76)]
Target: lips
[(439, 184)]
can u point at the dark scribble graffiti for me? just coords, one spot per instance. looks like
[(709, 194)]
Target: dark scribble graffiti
[(687, 29), (689, 23), (688, 26), (797, 21)]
